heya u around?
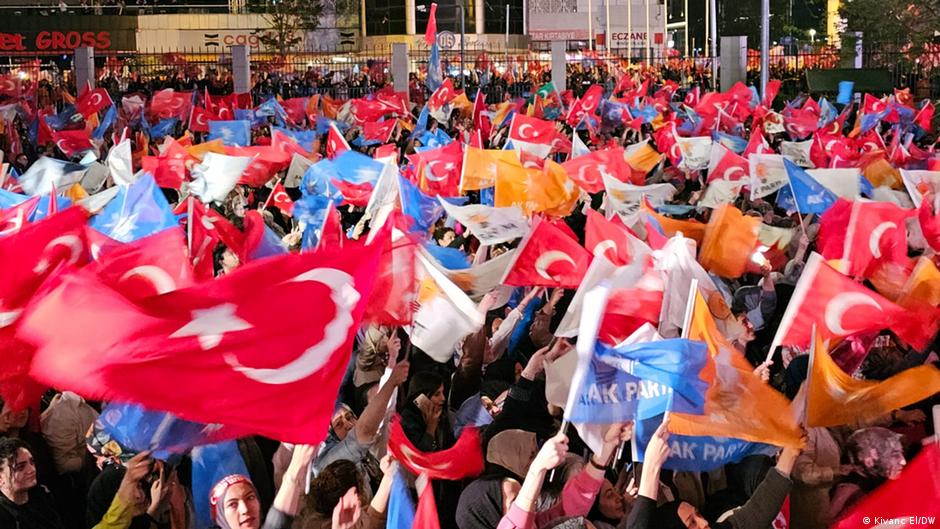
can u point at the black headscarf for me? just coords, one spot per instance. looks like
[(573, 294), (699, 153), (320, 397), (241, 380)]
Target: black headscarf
[(481, 504)]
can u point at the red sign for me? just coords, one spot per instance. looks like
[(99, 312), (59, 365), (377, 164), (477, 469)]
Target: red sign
[(56, 40)]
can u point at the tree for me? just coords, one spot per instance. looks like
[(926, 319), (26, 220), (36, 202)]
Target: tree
[(288, 20), (892, 22)]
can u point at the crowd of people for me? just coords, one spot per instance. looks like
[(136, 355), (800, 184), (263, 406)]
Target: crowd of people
[(61, 466)]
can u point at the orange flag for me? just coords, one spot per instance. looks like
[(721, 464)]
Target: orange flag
[(834, 398), (550, 190), (690, 228), (480, 167), (922, 286), (330, 107), (738, 403), (199, 150), (730, 240), (642, 161)]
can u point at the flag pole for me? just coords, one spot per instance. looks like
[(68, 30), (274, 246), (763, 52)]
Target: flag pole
[(796, 204), (189, 225), (267, 202)]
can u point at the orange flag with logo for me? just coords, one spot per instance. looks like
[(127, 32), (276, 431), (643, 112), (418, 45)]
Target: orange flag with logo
[(729, 241), (551, 191), (480, 167), (690, 228), (738, 403), (834, 398)]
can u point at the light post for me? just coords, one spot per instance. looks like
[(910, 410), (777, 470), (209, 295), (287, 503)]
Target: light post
[(812, 35)]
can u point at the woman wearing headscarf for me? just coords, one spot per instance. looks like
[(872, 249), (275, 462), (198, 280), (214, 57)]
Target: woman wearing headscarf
[(234, 503), (424, 418), (340, 498)]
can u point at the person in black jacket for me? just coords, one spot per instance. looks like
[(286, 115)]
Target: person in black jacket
[(758, 513), (24, 504)]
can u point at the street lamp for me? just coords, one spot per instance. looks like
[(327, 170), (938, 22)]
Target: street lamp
[(812, 35)]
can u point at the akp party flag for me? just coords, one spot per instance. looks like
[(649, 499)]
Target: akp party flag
[(548, 257), (768, 174), (803, 194), (730, 241), (737, 400), (922, 286), (838, 307), (217, 334), (668, 226), (137, 211), (489, 224), (834, 398), (217, 175)]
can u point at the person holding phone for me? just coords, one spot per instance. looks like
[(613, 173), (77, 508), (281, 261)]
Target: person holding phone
[(424, 419)]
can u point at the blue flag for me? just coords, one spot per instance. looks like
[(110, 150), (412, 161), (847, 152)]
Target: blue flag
[(9, 199), (312, 211), (323, 125), (422, 124), (106, 123), (845, 92), (356, 168), (165, 127), (434, 140), (811, 196), (488, 196), (401, 508), (137, 429), (435, 74), (449, 258), (236, 133), (828, 113), (271, 108), (423, 209), (696, 453), (211, 463), (616, 389), (734, 144), (135, 212)]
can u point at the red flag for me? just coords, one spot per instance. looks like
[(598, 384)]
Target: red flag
[(757, 145), (730, 166), (548, 257), (335, 142), (395, 287), (863, 235), (10, 86), (800, 123), (93, 101), (170, 104), (169, 168), (288, 145), (209, 228), (873, 105), (443, 95), (586, 105), (430, 34), (904, 501), (379, 131), (481, 123), (71, 142), (587, 170), (282, 200), (385, 151), (13, 219), (426, 512), (27, 259), (439, 169), (692, 97), (355, 194), (231, 358), (199, 119), (296, 109), (840, 307), (531, 130), (627, 310), (924, 117), (463, 460), (150, 266), (929, 222), (607, 238)]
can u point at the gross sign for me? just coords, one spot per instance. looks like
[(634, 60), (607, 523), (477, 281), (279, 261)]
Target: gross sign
[(37, 33)]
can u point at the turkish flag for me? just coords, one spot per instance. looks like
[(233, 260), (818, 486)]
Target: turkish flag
[(586, 105), (840, 307), (282, 200), (13, 219), (27, 259), (296, 109), (71, 142), (548, 257), (531, 130), (481, 123), (150, 266), (93, 101), (267, 161), (864, 235), (355, 194), (929, 222), (208, 229), (169, 169), (379, 131), (587, 170), (199, 119), (730, 166), (463, 460), (284, 143), (229, 357), (607, 238), (800, 123), (627, 310), (170, 104), (443, 95), (439, 169), (335, 143), (757, 145), (395, 285)]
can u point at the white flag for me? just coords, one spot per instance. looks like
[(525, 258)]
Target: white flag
[(798, 152), (624, 199), (578, 148), (720, 192), (295, 172), (768, 174), (696, 152), (490, 225), (216, 176), (47, 172), (843, 182), (120, 164), (915, 180)]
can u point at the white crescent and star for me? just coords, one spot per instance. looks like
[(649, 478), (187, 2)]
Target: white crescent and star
[(281, 196), (430, 174), (71, 242), (874, 240), (523, 135), (602, 247), (731, 171), (344, 297), (842, 303), (162, 281), (547, 259)]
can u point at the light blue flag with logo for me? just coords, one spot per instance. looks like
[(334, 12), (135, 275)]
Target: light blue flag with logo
[(163, 128), (212, 463), (691, 453), (811, 196), (106, 123), (138, 210), (235, 133), (845, 92), (734, 144), (435, 74)]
